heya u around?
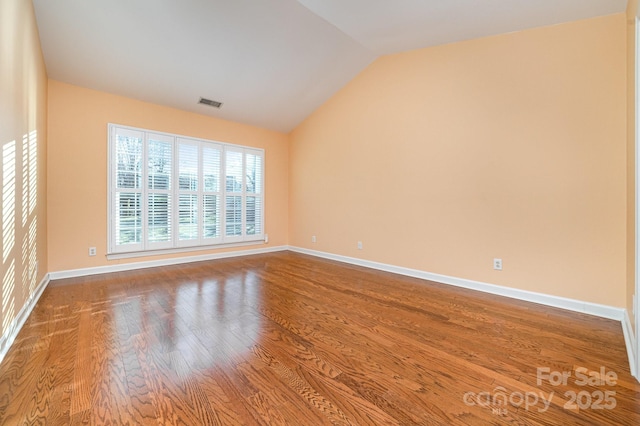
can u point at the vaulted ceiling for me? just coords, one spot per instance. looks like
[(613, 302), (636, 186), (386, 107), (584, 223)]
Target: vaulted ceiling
[(270, 62)]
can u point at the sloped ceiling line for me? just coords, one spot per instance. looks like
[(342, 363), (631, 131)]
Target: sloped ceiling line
[(271, 63)]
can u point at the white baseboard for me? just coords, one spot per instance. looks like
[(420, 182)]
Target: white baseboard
[(630, 342), (7, 339), (162, 262), (604, 311)]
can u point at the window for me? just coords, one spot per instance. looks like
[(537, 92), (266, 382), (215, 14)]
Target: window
[(168, 192)]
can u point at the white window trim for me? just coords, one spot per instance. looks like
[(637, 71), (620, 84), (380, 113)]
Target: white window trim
[(134, 254), (146, 248)]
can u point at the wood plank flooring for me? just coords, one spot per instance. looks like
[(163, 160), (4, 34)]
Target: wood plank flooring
[(287, 339)]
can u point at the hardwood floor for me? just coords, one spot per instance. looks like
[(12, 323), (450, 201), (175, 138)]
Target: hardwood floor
[(289, 339)]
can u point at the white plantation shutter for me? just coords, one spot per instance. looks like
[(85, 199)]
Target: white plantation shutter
[(159, 191), (126, 198), (234, 188), (168, 192), (254, 197), (211, 193), (188, 183)]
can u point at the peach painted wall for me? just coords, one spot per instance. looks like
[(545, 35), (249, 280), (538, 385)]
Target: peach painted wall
[(77, 160), (444, 158), (23, 138), (632, 11)]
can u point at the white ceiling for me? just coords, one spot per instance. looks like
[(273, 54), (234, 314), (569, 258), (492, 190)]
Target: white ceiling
[(391, 26), (271, 63)]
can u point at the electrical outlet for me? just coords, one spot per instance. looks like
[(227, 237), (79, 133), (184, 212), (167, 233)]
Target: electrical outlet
[(92, 251), (313, 239), (497, 264), (359, 245), (266, 238)]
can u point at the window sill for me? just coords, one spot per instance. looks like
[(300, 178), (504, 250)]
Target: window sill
[(147, 253)]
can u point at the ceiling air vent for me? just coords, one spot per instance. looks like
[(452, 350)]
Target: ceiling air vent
[(210, 103)]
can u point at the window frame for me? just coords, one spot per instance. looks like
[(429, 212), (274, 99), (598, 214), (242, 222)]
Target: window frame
[(175, 244)]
